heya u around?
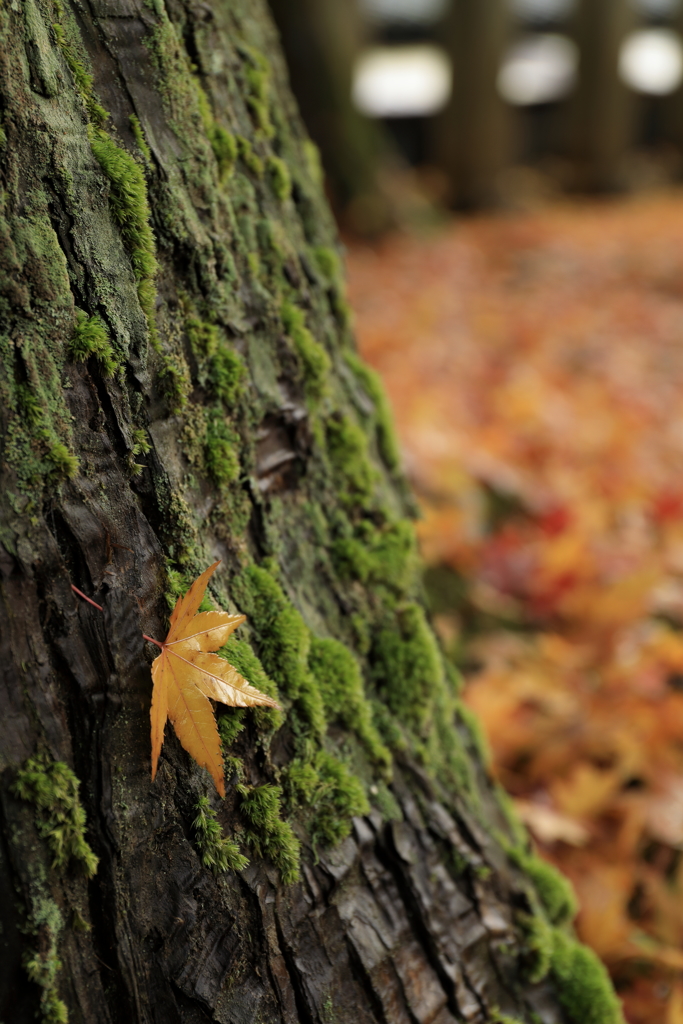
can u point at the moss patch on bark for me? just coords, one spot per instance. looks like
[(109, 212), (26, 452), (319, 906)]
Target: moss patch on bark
[(219, 853), (52, 788)]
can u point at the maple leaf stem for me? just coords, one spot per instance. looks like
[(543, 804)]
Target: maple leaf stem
[(86, 598), (152, 640)]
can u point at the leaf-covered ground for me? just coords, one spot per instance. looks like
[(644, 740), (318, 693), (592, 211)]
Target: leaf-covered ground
[(535, 363)]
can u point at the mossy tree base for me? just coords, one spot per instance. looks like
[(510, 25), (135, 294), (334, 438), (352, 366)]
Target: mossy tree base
[(179, 384)]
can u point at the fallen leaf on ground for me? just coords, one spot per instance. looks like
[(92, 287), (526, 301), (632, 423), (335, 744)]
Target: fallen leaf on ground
[(186, 674), (550, 826)]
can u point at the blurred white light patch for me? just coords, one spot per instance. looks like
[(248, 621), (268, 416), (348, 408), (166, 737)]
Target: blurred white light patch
[(402, 81), (540, 68), (651, 61), (416, 12), (657, 8), (543, 10)]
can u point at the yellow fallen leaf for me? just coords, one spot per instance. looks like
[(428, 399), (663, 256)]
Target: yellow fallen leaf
[(187, 673)]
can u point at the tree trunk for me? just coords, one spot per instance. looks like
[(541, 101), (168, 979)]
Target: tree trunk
[(473, 135), (321, 40), (179, 384), (602, 113)]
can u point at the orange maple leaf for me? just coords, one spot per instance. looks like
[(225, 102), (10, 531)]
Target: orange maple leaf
[(186, 674)]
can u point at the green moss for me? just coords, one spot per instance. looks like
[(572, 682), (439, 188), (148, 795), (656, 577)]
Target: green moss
[(308, 715), (268, 834), (502, 1018), (387, 726), (348, 450), (136, 128), (538, 946), (302, 781), (91, 338), (233, 768), (78, 922), (387, 441), (203, 337), (271, 242), (284, 638), (328, 263), (231, 724), (34, 411), (254, 264), (222, 369), (249, 158), (174, 586), (224, 149), (223, 143), (517, 830), (242, 657), (43, 969), (385, 802), (53, 789), (284, 641), (43, 965), (177, 585), (352, 559), (220, 452), (314, 359), (83, 80), (407, 668), (227, 374), (361, 628), (554, 890), (314, 164), (332, 792), (337, 674), (583, 984), (257, 75), (330, 267), (217, 852), (279, 177), (386, 556), (445, 752), (64, 462), (130, 209), (141, 445), (30, 407), (339, 798), (192, 438), (174, 384)]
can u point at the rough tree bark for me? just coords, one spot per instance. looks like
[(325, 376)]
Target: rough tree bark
[(179, 383)]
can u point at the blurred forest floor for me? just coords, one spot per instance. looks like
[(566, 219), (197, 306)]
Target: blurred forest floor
[(535, 364)]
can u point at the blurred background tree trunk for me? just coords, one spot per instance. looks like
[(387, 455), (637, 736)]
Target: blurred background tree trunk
[(472, 140), (321, 40), (602, 112), (179, 383)]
